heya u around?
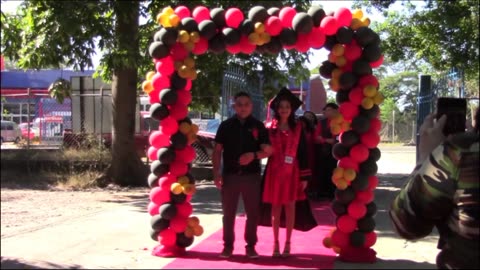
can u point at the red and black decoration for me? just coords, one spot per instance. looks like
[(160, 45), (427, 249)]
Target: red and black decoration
[(355, 50)]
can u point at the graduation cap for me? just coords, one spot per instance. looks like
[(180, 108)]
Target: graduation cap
[(285, 94)]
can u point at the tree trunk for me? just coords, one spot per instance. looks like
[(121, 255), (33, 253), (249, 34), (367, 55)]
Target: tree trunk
[(126, 168)]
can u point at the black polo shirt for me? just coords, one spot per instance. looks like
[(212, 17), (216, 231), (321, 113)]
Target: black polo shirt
[(237, 139)]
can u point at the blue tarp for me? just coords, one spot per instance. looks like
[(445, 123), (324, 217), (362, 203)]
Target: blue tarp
[(37, 79)]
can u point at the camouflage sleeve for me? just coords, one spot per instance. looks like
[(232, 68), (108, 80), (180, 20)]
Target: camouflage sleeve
[(427, 197)]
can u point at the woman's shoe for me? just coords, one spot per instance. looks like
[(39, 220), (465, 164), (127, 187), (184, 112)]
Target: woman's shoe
[(286, 250), (276, 250)]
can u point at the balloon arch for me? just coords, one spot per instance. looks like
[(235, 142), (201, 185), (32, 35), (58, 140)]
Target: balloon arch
[(354, 51)]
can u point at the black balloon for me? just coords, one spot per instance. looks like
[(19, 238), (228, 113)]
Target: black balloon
[(361, 67), (257, 14), (189, 24), (371, 209), (273, 11), (166, 155), (364, 36), (168, 96), (317, 14), (158, 223), (342, 96), (158, 50), (247, 27), (217, 44), (330, 41), (158, 111), (360, 182), (207, 29), (345, 196), (371, 53), (349, 138), (177, 82), (360, 124), (178, 198), (347, 80), (154, 235), (261, 49), (179, 140), (167, 35), (191, 179), (232, 36), (274, 46), (152, 180), (159, 169), (183, 241), (218, 17), (370, 113), (302, 23), (344, 35), (368, 167), (326, 69), (168, 211), (338, 208), (374, 154), (288, 37), (357, 239), (339, 151), (366, 224)]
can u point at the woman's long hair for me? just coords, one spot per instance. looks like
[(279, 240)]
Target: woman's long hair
[(291, 118)]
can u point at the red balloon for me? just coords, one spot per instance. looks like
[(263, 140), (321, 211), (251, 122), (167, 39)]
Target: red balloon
[(348, 163), (166, 181), (165, 66), (372, 182), (246, 46), (201, 46), (316, 38), (359, 153), (184, 97), (375, 125), (340, 239), (154, 96), (348, 67), (234, 49), (160, 81), (370, 139), (188, 86), (234, 17), (346, 224), (370, 239), (200, 14), (159, 195), (343, 16), (356, 209), (184, 209), (159, 139), (152, 153), (348, 110), (368, 79), (167, 237), (302, 44), (377, 63), (273, 26), (329, 25), (286, 15), (182, 12), (186, 155), (178, 52), (153, 208), (168, 126), (178, 111), (178, 223), (178, 168), (356, 96), (365, 196), (189, 197), (352, 52)]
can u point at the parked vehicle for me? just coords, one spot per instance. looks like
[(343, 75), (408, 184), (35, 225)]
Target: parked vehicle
[(10, 132), (34, 131)]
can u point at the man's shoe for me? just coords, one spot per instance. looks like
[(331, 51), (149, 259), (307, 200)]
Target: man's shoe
[(226, 253), (251, 253)]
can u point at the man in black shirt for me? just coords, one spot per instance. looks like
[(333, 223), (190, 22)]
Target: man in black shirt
[(244, 141)]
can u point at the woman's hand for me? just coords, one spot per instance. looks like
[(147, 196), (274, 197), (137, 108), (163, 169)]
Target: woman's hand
[(431, 135)]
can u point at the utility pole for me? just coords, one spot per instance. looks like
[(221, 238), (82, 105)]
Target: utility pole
[(393, 128)]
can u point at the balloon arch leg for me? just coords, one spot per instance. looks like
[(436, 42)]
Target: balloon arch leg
[(354, 51)]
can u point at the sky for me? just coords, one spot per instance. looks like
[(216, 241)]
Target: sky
[(317, 57)]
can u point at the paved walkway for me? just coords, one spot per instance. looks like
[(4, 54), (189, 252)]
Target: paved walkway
[(118, 237)]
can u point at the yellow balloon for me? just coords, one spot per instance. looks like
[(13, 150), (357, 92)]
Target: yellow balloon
[(193, 221), (259, 27), (327, 242), (174, 20), (265, 37), (182, 180), (355, 24), (369, 91), (341, 184), (365, 21), (149, 75), (336, 73), (192, 73), (168, 10), (147, 86), (185, 128), (345, 126), (340, 61), (367, 103), (198, 230), (349, 174), (338, 49), (189, 189), (189, 62), (335, 129), (183, 71), (176, 188), (183, 36), (253, 38), (189, 232), (332, 57), (159, 18), (378, 98), (165, 20), (338, 173), (334, 84), (189, 45), (357, 14), (194, 37)]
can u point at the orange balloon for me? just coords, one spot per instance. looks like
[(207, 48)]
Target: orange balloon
[(176, 188), (174, 20), (355, 24), (194, 37), (147, 86), (336, 73), (338, 173), (341, 184), (345, 126), (198, 230), (357, 14), (193, 221), (378, 98), (338, 49), (340, 61), (182, 180), (367, 103), (349, 174), (189, 189), (254, 38), (369, 91), (183, 36), (335, 129), (334, 84), (327, 242), (259, 28), (189, 62), (149, 75), (332, 58), (189, 232)]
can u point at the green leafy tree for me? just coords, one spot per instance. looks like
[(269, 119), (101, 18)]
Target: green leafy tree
[(54, 33)]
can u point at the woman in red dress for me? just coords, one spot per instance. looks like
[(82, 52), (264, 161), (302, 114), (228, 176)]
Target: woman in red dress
[(287, 169)]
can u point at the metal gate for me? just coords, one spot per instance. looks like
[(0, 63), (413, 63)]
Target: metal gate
[(234, 81)]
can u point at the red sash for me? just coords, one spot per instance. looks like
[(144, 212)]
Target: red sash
[(284, 156)]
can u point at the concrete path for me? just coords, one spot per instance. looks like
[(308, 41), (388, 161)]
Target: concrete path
[(118, 237)]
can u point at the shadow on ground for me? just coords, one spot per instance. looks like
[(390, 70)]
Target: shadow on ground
[(14, 263), (386, 264)]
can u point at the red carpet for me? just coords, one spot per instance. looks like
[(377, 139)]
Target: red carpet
[(308, 251)]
